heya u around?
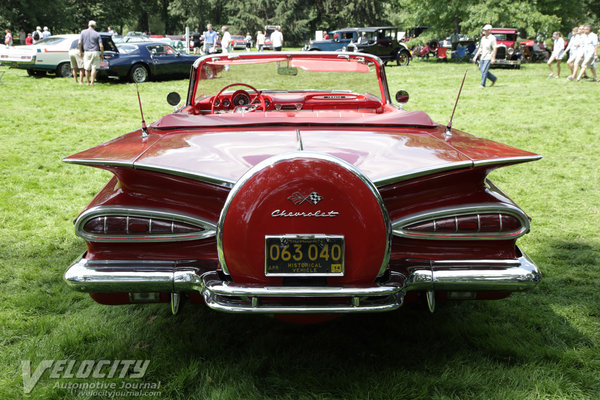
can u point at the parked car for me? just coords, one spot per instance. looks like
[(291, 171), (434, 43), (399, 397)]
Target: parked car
[(380, 41), (508, 54), (290, 184), (139, 62), (238, 42), (533, 51), (49, 55)]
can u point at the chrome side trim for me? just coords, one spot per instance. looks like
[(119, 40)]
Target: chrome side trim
[(208, 228), (506, 160), (449, 167), (389, 180), (212, 179), (248, 298), (269, 162), (477, 208)]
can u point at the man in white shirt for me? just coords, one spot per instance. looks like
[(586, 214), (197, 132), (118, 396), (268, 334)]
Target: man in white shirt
[(589, 49), (260, 40), (487, 50), (277, 39), (226, 40)]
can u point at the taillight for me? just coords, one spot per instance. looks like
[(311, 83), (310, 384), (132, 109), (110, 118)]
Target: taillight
[(478, 221), (115, 224)]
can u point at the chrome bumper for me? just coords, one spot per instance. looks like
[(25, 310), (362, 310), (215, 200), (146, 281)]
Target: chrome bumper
[(168, 276)]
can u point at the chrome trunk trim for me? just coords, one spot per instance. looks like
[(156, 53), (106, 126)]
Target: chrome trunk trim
[(304, 155)]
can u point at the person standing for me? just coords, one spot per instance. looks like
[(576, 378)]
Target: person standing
[(76, 62), (29, 40), (37, 35), (260, 41), (589, 49), (454, 39), (226, 40), (248, 41), (8, 38), (576, 53), (22, 36), (92, 51), (210, 40), (196, 40), (277, 39), (487, 50), (558, 51), (46, 33)]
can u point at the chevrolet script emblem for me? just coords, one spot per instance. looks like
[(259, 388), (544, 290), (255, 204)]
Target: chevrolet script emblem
[(298, 198)]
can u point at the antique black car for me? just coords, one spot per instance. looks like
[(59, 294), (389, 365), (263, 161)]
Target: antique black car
[(379, 41)]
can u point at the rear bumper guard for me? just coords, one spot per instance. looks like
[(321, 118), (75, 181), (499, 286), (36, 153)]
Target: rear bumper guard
[(175, 277)]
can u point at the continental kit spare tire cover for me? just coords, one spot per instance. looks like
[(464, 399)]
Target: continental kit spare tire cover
[(301, 195)]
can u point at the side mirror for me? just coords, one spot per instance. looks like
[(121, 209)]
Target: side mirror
[(173, 99), (402, 97)]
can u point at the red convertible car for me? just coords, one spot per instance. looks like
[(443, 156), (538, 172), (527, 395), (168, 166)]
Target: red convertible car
[(289, 183)]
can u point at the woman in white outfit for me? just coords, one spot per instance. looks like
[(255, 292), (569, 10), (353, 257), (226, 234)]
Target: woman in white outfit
[(558, 52)]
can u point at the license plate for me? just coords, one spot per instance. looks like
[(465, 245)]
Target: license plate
[(304, 255)]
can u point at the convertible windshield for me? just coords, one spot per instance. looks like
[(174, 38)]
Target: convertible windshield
[(284, 73)]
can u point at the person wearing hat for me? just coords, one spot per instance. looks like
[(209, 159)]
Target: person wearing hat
[(36, 35), (487, 50)]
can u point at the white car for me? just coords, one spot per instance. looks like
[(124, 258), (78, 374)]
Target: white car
[(47, 55)]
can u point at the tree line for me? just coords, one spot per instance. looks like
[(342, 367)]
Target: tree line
[(300, 18)]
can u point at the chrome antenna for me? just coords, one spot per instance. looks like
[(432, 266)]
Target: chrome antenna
[(144, 127), (448, 132), (299, 140)]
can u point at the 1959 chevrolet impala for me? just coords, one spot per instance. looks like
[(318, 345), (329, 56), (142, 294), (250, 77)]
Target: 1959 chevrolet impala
[(289, 183)]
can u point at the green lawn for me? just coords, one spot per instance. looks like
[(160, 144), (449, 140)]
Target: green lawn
[(544, 344)]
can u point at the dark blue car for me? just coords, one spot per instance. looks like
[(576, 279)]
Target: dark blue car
[(381, 41), (139, 62)]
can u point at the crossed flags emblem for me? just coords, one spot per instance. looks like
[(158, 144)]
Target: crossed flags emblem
[(298, 198)]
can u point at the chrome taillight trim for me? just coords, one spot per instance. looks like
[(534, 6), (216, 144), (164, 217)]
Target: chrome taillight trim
[(269, 162), (399, 225), (207, 228)]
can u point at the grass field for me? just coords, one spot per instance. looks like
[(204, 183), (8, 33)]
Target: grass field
[(544, 344)]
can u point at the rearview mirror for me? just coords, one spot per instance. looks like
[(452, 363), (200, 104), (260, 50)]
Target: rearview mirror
[(402, 97), (173, 99), (287, 71)]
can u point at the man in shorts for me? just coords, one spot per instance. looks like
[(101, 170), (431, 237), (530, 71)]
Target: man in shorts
[(589, 50), (76, 61), (92, 51)]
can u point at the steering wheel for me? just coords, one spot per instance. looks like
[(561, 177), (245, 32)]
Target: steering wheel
[(258, 96)]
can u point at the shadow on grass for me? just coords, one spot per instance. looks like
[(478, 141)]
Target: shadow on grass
[(339, 356), (409, 353)]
